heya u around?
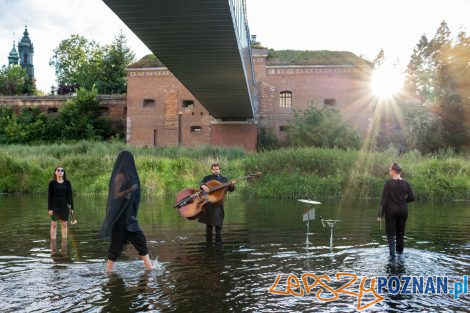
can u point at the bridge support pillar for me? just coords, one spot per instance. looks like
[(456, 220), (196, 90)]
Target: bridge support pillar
[(243, 134)]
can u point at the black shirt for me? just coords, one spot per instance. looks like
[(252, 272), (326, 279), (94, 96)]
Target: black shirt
[(396, 194), (60, 194)]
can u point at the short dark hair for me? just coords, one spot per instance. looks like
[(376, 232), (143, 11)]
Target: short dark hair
[(396, 167), (215, 165)]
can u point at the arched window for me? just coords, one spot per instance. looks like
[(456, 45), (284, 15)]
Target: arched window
[(285, 99)]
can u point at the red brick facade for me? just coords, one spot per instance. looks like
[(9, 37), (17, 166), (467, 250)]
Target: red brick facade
[(343, 86), (162, 112)]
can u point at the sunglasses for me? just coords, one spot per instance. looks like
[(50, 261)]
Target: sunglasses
[(60, 170)]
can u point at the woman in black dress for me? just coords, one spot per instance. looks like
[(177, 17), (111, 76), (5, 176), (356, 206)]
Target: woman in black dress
[(396, 194), (60, 201)]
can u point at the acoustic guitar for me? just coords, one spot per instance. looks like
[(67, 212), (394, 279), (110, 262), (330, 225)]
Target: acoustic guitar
[(191, 201)]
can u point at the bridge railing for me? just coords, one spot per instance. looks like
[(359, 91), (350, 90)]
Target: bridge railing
[(239, 17)]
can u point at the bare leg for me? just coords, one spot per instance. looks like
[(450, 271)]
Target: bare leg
[(110, 266), (53, 230), (147, 263), (64, 229)]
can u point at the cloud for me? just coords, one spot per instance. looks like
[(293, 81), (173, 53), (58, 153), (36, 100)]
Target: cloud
[(363, 27), (52, 21)]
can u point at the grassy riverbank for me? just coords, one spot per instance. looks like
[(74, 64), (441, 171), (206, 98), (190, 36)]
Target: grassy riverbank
[(289, 173)]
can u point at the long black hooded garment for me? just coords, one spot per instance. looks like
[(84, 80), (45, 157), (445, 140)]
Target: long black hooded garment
[(123, 198)]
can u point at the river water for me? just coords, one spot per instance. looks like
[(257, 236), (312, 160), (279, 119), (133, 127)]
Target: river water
[(262, 240)]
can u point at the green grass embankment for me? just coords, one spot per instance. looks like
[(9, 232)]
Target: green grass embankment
[(287, 173)]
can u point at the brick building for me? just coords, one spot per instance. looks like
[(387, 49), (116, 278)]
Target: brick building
[(161, 111)]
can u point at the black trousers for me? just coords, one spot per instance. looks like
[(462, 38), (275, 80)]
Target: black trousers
[(395, 227), (218, 230), (120, 236)]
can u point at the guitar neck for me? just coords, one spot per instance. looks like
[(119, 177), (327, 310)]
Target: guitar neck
[(228, 183)]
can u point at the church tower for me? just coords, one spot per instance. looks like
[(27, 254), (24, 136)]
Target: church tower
[(13, 56), (26, 51)]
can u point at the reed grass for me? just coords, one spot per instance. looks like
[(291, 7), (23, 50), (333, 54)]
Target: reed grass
[(287, 173)]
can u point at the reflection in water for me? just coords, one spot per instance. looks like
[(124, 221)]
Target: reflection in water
[(121, 297), (262, 238), (63, 255)]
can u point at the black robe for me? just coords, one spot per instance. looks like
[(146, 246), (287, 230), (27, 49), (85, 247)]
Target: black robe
[(213, 214), (122, 206)]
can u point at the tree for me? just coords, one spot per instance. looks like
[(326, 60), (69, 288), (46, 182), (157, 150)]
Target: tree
[(12, 80), (417, 127), (76, 62), (117, 58), (82, 63), (437, 73), (322, 128), (379, 59), (80, 117), (266, 138)]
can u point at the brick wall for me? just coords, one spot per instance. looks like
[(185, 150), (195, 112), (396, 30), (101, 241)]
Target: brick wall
[(167, 121), (114, 106), (229, 135), (346, 86)]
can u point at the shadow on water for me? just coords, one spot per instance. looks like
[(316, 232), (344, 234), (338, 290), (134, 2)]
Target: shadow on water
[(261, 240)]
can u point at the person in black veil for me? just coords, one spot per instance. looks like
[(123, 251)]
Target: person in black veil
[(120, 223)]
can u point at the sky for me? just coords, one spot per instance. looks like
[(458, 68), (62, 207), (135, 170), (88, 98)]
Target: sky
[(361, 26)]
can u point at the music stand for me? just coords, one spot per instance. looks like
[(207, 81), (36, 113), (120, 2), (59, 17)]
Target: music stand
[(331, 224), (309, 214)]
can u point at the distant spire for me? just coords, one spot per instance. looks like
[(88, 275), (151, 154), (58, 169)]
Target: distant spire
[(13, 56), (25, 52)]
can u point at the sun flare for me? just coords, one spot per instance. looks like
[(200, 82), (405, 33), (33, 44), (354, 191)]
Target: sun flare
[(386, 82)]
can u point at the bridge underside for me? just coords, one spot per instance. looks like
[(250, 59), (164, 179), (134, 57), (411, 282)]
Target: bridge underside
[(197, 40)]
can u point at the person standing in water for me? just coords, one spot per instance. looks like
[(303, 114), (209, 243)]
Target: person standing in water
[(60, 201), (213, 213), (396, 194), (120, 224)]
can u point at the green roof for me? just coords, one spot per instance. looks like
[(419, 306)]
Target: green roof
[(320, 57), (284, 57), (149, 60)]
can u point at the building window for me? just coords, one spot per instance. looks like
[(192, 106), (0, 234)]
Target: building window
[(196, 129), (149, 103), (285, 99), (51, 110), (104, 111), (188, 104), (125, 110), (330, 102), (283, 128)]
